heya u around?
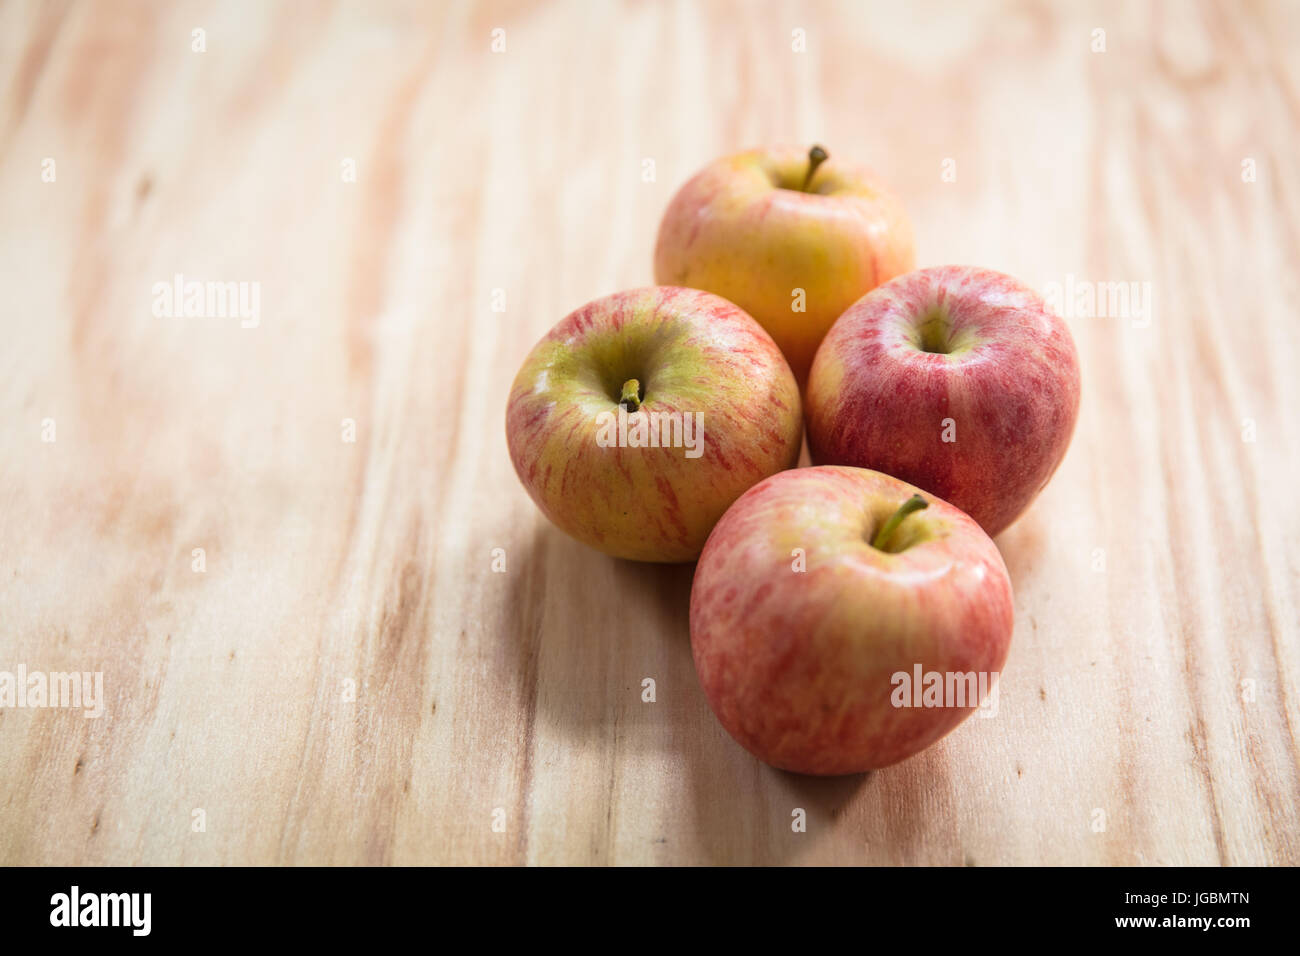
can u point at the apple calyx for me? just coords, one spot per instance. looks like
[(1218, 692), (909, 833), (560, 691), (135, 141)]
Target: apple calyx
[(631, 397), (816, 156), (914, 503)]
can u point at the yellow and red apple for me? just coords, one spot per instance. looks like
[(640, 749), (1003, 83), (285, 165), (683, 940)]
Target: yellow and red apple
[(956, 379), (817, 590), (643, 415), (791, 237)]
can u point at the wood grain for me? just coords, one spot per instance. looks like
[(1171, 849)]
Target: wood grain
[(1155, 671)]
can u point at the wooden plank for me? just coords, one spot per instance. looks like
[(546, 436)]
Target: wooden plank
[(1155, 671)]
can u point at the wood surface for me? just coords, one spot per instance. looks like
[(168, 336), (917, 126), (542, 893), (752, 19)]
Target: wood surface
[(1154, 679)]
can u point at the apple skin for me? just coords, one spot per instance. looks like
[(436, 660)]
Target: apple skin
[(692, 352), (742, 228), (796, 665), (876, 399)]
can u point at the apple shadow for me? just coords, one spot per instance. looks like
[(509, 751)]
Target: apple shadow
[(747, 813), (576, 662), (579, 637)]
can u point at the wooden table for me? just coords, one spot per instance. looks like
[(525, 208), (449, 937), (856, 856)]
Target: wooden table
[(339, 676)]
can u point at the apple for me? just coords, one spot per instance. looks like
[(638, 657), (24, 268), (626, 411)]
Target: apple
[(792, 238), (643, 415), (956, 379), (821, 593)]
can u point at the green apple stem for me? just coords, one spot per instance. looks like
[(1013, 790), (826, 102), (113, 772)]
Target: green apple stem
[(631, 398), (816, 156), (914, 503)]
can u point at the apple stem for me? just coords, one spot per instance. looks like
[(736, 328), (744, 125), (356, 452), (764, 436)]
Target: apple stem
[(816, 156), (631, 398), (914, 503)]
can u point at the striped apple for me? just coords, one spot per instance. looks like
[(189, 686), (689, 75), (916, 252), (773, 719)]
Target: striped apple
[(820, 593), (791, 236), (955, 379), (643, 415)]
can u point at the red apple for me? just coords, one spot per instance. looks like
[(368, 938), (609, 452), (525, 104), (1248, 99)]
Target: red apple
[(791, 237), (803, 667), (642, 416), (956, 379)]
